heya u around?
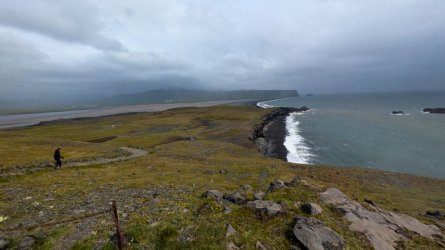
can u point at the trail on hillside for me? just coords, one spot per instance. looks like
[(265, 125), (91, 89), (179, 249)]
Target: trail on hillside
[(133, 153)]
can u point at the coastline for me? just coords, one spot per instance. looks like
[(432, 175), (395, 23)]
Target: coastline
[(25, 120), (270, 135)]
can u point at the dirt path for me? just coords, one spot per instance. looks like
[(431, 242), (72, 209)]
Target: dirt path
[(133, 153)]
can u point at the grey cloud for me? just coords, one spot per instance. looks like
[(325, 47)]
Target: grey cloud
[(312, 46), (69, 21)]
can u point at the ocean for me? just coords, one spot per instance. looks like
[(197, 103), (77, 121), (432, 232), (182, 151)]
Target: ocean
[(359, 130)]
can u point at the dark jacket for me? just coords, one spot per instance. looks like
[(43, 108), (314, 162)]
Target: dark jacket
[(57, 155)]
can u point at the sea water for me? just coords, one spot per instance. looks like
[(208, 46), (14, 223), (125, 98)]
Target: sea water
[(359, 130)]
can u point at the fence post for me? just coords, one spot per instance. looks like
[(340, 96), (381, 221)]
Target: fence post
[(121, 242)]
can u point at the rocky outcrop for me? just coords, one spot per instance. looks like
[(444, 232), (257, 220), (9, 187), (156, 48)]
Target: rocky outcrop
[(434, 110), (314, 235), (397, 112), (270, 143), (382, 228)]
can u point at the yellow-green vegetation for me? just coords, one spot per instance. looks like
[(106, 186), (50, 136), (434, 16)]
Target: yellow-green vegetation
[(159, 195)]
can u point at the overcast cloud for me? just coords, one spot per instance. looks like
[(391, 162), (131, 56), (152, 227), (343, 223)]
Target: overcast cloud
[(84, 48)]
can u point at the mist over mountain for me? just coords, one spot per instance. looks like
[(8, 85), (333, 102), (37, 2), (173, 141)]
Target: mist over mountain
[(194, 95)]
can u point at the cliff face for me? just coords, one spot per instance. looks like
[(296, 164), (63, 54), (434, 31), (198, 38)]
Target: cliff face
[(270, 133)]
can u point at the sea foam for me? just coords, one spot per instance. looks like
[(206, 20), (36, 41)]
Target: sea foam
[(264, 105), (298, 151)]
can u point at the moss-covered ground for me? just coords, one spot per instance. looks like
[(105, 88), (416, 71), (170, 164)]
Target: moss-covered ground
[(159, 195)]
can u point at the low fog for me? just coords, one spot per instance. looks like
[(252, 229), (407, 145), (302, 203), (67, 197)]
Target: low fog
[(66, 50)]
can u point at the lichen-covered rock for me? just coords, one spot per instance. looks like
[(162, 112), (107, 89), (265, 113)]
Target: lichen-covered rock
[(314, 235)]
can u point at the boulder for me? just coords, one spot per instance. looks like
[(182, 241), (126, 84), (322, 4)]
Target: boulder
[(260, 246), (246, 188), (4, 243), (230, 230), (311, 208), (275, 185), (231, 246), (258, 195), (381, 227), (27, 242), (213, 194), (237, 198), (435, 214), (295, 182), (313, 234), (264, 209)]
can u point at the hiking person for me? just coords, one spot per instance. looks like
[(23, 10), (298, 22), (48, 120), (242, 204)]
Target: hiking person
[(57, 157)]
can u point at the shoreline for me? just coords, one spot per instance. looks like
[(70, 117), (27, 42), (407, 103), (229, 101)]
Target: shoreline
[(270, 135), (32, 119)]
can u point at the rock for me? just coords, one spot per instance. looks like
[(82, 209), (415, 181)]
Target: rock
[(382, 228), (227, 209), (397, 112), (312, 208), (313, 234), (128, 237), (222, 171), (27, 242), (4, 243), (230, 231), (203, 208), (260, 246), (237, 198), (370, 202), (187, 234), (295, 182), (258, 195), (246, 188), (264, 209), (434, 110), (435, 214), (78, 211), (231, 246), (213, 194), (440, 225), (277, 184)]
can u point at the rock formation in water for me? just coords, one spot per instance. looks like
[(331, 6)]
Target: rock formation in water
[(434, 110)]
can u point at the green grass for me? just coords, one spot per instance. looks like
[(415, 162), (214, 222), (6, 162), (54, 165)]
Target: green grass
[(161, 191)]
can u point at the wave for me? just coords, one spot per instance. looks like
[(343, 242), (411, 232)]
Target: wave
[(298, 151), (264, 105)]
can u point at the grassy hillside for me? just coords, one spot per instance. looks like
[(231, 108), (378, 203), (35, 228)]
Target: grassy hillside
[(191, 150)]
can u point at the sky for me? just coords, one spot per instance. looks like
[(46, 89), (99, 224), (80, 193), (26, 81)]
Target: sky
[(80, 48)]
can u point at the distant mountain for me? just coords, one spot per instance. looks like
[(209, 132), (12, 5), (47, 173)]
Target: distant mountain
[(193, 95)]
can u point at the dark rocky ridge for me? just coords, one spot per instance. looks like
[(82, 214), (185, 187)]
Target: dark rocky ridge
[(269, 135), (434, 110)]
